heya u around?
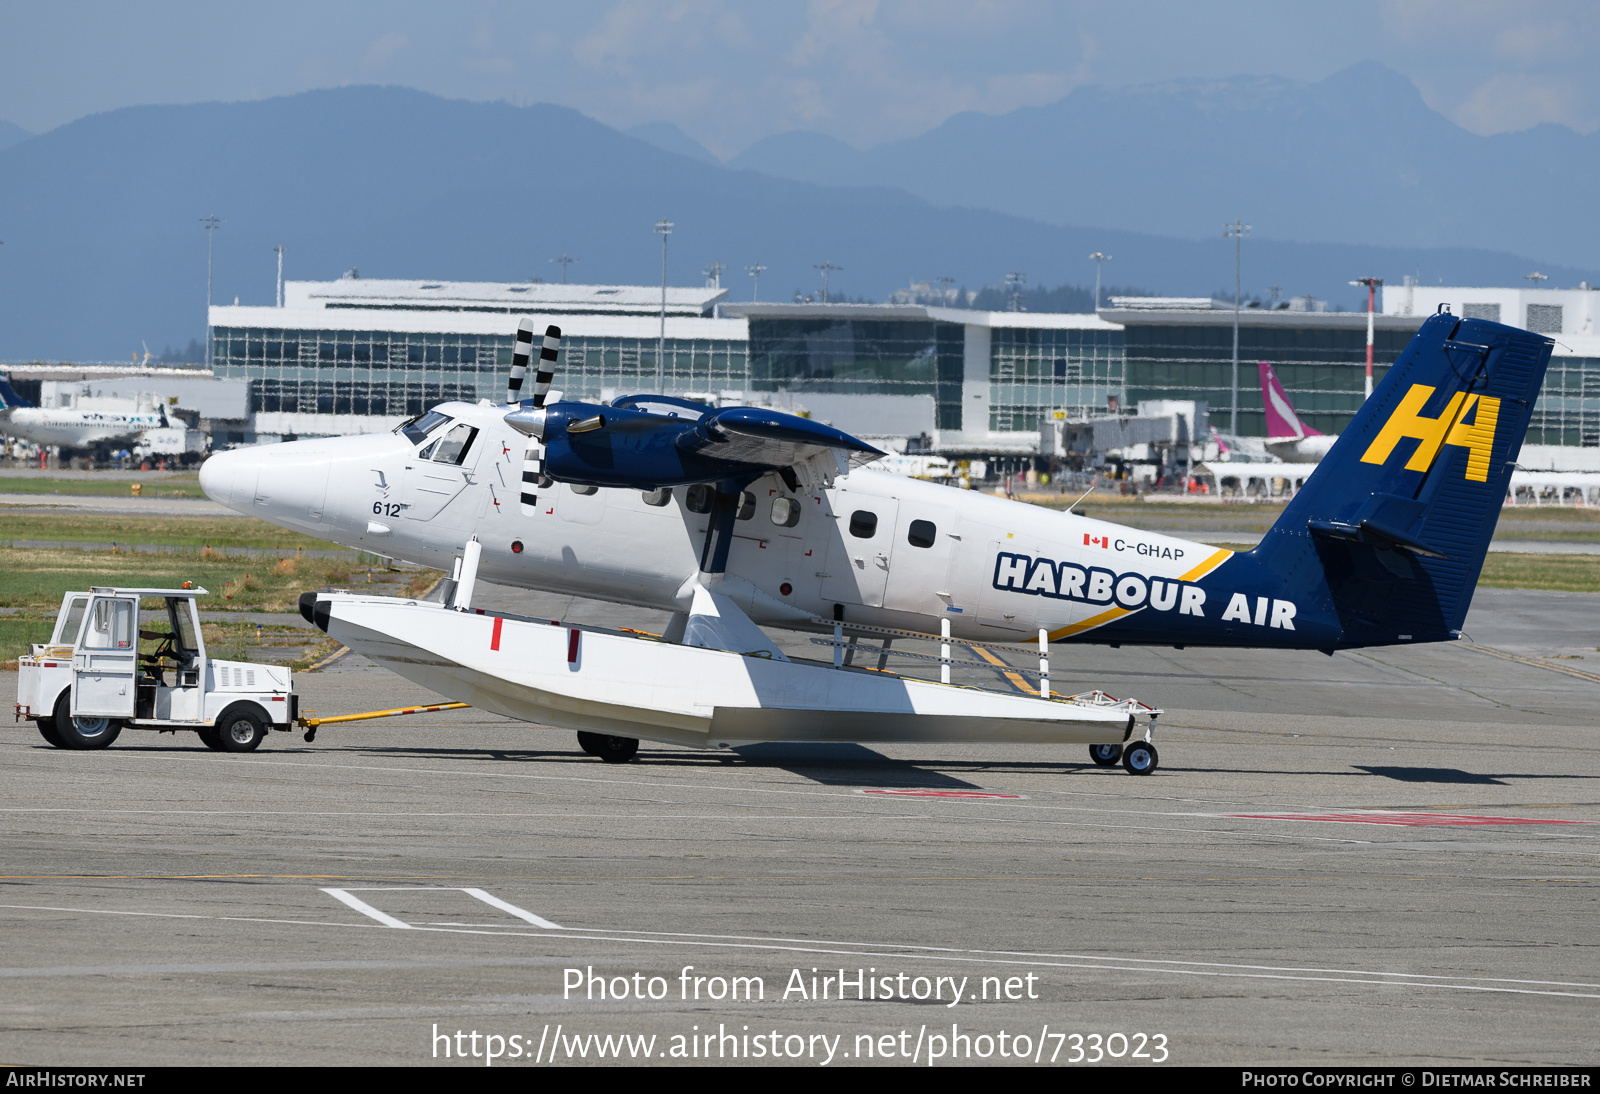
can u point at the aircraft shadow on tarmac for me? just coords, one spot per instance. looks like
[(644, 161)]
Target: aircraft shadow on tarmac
[(857, 765), (848, 765), (1455, 775)]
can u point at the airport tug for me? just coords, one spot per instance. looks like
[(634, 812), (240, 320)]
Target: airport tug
[(91, 680)]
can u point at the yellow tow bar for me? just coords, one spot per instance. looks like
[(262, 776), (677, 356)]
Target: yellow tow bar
[(310, 721)]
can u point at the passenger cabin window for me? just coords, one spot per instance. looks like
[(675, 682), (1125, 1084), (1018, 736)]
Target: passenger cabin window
[(863, 525), (453, 446), (922, 533), (110, 626), (418, 428), (74, 620)]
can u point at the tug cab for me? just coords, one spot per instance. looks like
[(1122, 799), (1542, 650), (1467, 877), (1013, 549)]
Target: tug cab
[(136, 658)]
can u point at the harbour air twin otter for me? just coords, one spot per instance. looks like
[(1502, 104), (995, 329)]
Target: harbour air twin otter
[(738, 519)]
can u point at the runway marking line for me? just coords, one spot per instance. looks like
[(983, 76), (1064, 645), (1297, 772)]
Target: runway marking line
[(343, 895), (918, 792), (1087, 962), (1407, 820)]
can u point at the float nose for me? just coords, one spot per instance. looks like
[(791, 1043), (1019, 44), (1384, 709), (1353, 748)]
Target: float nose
[(223, 476)]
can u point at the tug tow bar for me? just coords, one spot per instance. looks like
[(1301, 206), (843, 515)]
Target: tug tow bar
[(310, 721)]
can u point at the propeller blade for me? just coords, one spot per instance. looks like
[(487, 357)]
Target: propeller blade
[(519, 361), (547, 364)]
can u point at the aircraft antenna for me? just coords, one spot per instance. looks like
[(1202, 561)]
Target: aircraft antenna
[(1085, 494)]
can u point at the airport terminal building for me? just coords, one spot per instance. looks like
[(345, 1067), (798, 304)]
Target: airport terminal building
[(354, 355)]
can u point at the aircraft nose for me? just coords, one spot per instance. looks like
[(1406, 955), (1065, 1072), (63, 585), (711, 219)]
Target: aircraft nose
[(223, 478)]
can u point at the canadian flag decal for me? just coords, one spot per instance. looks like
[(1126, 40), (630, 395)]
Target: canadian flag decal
[(1096, 541)]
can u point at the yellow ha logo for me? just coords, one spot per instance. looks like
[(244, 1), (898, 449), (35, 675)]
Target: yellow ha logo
[(1450, 427)]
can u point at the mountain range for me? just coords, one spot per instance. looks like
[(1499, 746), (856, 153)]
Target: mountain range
[(103, 249)]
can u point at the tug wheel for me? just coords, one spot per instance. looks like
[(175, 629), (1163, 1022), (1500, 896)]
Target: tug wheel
[(1140, 758), (1105, 755), (47, 730), (241, 731), (210, 737), (82, 733), (613, 750)]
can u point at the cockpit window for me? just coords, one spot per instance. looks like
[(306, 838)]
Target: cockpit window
[(418, 428), (453, 446)]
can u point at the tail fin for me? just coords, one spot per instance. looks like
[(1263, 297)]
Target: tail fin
[(1389, 534), (1283, 424), (8, 396)]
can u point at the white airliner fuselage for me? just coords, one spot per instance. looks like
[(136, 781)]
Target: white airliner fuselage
[(79, 429), (874, 548)]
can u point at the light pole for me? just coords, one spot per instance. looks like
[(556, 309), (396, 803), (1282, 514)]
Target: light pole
[(755, 286), (565, 260), (945, 289), (825, 267), (1014, 283), (713, 272), (280, 248), (211, 223), (663, 229), (1097, 258), (1372, 284), (1236, 231)]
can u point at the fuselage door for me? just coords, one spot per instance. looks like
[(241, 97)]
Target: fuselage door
[(439, 471), (860, 550), (107, 658), (924, 548)]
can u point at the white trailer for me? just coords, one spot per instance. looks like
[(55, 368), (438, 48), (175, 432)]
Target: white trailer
[(90, 680)]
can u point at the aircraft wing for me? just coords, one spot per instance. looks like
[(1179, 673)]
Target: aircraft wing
[(621, 446), (771, 440)]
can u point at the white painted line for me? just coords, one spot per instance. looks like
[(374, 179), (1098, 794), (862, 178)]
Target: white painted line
[(1148, 966), (368, 910), (520, 913)]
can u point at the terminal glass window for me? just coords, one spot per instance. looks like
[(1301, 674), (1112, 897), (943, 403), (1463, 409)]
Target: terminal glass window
[(1568, 408), (394, 373), (861, 357), (1322, 368), (1035, 373)]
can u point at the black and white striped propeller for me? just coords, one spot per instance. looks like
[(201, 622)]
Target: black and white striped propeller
[(520, 355), (532, 457)]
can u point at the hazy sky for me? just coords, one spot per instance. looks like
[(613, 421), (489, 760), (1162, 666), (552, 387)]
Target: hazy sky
[(730, 73)]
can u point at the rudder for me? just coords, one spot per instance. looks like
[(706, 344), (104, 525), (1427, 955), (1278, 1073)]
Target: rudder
[(1390, 531)]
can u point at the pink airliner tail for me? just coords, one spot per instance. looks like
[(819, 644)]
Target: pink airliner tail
[(1283, 424)]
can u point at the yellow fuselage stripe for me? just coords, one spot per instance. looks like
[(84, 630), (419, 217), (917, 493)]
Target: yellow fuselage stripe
[(1089, 624), (1208, 565), (1217, 559)]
